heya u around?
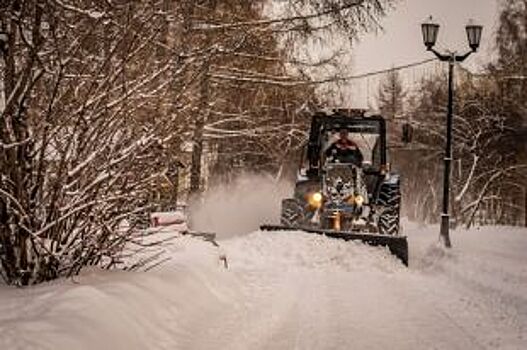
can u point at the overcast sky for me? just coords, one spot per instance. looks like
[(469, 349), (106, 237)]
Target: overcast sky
[(401, 41)]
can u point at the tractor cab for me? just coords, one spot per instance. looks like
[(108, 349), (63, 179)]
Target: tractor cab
[(346, 144), (368, 134)]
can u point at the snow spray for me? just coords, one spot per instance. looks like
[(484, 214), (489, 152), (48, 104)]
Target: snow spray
[(239, 207)]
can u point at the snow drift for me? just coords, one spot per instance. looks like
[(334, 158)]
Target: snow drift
[(289, 290)]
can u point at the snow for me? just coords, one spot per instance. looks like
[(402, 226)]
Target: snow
[(289, 290), (239, 207)]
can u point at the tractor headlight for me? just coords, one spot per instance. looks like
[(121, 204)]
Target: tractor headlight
[(315, 200), (359, 200)]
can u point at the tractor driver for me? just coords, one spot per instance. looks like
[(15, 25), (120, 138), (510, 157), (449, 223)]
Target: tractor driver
[(344, 150)]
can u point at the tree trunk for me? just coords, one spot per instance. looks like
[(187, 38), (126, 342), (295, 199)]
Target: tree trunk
[(197, 137)]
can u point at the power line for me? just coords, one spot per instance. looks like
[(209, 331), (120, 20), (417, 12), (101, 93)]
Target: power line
[(406, 66), (384, 71), (284, 81)]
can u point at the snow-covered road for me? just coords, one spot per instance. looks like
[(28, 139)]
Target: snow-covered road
[(289, 290), (308, 292)]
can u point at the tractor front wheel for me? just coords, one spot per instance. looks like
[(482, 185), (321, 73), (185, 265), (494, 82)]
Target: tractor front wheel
[(293, 214)]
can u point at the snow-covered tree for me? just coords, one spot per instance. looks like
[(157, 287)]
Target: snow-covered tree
[(488, 177), (484, 157), (100, 99), (391, 96), (260, 81), (81, 132)]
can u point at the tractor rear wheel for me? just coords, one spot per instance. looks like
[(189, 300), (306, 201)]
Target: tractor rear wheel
[(390, 205)]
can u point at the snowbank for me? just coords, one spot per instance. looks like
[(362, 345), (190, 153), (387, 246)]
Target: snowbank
[(289, 290), (119, 310)]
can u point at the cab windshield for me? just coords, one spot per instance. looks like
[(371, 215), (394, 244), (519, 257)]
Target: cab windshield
[(367, 143)]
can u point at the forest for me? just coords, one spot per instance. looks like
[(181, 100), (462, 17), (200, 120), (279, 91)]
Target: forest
[(113, 109)]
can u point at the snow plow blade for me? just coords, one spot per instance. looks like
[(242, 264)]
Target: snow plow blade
[(398, 245)]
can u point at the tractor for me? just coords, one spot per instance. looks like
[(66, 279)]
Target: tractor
[(345, 188)]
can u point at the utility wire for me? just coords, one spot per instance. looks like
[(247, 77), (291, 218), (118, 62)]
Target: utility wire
[(284, 81), (406, 66), (384, 71)]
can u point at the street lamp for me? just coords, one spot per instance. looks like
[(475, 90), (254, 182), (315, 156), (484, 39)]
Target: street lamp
[(430, 31)]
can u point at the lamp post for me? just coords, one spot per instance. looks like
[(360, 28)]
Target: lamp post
[(430, 30)]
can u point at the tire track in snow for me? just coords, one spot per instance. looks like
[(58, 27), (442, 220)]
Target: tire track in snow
[(309, 292)]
